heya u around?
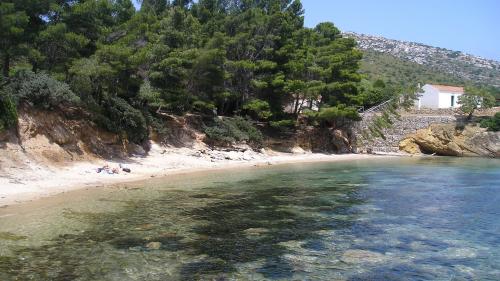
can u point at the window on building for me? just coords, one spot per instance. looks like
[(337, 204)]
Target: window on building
[(452, 100)]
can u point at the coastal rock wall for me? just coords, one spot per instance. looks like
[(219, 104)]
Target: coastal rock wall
[(402, 127), (448, 140)]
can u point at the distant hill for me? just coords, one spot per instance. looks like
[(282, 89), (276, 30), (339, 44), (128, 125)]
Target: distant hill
[(404, 62)]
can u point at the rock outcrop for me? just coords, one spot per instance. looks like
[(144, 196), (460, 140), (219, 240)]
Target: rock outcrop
[(309, 138), (448, 140)]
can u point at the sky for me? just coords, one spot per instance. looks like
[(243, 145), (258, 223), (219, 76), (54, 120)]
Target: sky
[(470, 26)]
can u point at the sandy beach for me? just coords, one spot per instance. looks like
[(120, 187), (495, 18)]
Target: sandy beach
[(37, 181)]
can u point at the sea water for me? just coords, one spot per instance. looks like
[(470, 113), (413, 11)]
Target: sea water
[(380, 219)]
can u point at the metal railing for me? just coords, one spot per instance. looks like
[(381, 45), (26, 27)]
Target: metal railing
[(375, 108)]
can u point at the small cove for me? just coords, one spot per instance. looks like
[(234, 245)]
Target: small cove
[(379, 219)]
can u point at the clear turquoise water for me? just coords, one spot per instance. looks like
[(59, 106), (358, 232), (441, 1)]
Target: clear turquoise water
[(397, 219)]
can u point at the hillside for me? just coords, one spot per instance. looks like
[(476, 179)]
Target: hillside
[(403, 62)]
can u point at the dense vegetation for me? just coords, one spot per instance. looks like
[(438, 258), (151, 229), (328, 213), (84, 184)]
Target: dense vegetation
[(473, 99), (386, 67), (492, 123), (248, 58)]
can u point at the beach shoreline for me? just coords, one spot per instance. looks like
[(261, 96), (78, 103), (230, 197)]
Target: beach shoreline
[(37, 182)]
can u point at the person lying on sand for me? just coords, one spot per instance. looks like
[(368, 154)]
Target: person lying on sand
[(111, 171), (107, 168)]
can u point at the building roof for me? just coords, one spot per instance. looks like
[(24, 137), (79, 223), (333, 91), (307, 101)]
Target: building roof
[(449, 89)]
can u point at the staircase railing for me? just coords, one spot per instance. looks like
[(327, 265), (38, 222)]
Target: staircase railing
[(375, 108)]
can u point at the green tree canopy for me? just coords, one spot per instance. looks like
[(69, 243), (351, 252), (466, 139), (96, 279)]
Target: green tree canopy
[(232, 57), (475, 98)]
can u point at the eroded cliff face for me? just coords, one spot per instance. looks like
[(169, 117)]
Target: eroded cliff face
[(55, 138), (181, 131), (450, 140), (309, 138)]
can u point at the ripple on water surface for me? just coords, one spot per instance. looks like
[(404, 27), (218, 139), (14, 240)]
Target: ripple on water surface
[(398, 219)]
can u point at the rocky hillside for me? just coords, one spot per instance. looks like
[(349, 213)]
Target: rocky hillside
[(457, 65)]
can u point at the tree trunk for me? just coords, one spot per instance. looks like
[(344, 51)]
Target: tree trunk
[(296, 107), (469, 117), (6, 65)]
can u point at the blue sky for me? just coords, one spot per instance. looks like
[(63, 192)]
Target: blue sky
[(471, 26)]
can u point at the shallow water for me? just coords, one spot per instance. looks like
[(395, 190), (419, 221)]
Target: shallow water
[(392, 219)]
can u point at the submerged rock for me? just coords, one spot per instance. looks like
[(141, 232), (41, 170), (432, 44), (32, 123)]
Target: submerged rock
[(153, 245), (11, 236), (362, 256), (255, 231), (460, 253)]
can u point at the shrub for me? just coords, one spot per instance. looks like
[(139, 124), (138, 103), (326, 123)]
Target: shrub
[(492, 123), (475, 98), (229, 130), (335, 113), (335, 116), (156, 124), (8, 112), (204, 107), (120, 117), (258, 109), (41, 90), (283, 124)]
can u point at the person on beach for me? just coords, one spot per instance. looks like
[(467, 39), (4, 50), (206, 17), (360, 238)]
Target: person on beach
[(107, 169), (111, 171)]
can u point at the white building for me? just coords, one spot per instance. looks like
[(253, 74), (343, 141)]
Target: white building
[(439, 96), (302, 104)]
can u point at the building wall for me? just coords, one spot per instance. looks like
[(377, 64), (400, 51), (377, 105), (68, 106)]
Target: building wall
[(434, 99), (445, 100), (429, 98), (306, 104)]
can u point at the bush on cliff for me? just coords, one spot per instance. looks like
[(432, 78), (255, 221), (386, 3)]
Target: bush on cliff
[(258, 109), (8, 112), (283, 125), (120, 117), (335, 116), (475, 98), (229, 130), (41, 90), (492, 123)]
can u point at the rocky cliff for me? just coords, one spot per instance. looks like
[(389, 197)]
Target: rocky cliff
[(309, 138), (59, 137), (450, 140)]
